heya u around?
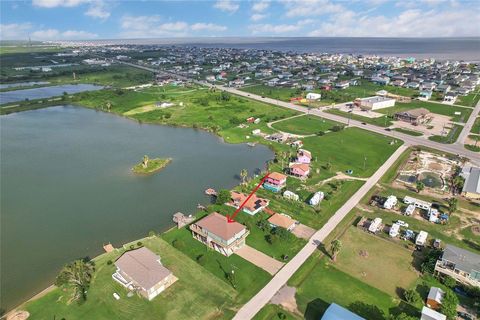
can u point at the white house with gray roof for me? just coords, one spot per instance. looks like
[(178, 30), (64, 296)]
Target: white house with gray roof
[(141, 270), (460, 264), (471, 187)]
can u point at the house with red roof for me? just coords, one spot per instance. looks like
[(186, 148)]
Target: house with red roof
[(301, 170), (252, 206)]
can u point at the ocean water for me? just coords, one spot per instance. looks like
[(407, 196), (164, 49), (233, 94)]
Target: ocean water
[(439, 48)]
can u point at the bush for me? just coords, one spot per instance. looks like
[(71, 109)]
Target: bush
[(320, 133), (449, 282), (109, 262), (151, 233), (201, 259), (337, 128), (223, 196), (139, 243), (282, 233), (412, 296), (428, 264), (264, 225), (449, 305), (178, 244), (235, 121), (271, 238), (132, 247)]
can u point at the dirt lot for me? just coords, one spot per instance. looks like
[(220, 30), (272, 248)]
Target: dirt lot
[(439, 125)]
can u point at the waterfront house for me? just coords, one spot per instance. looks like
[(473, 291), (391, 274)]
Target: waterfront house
[(141, 270), (252, 206), (275, 182), (283, 221), (303, 156), (434, 298), (460, 264), (301, 170), (217, 233)]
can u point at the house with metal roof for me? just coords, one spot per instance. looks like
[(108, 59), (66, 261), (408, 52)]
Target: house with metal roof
[(336, 312), (434, 298), (460, 264), (430, 314), (471, 187), (141, 270)]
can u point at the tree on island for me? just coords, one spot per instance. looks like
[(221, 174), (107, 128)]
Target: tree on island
[(145, 161), (243, 175), (420, 186), (77, 275), (223, 196), (336, 247)]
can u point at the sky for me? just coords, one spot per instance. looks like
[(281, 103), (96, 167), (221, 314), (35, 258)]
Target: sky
[(114, 19)]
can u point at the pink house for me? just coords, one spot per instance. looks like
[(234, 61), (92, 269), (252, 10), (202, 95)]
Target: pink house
[(299, 169), (275, 182), (304, 156)]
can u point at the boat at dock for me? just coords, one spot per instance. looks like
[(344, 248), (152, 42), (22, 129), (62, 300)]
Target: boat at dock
[(210, 192)]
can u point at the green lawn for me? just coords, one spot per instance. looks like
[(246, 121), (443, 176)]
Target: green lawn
[(249, 278), (394, 262), (410, 132), (188, 298), (319, 283), (470, 100), (383, 121), (476, 126), (275, 312), (305, 125), (283, 94)]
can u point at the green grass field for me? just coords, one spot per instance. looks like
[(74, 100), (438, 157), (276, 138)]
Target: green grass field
[(410, 132), (249, 278), (379, 254), (476, 126), (304, 125), (470, 100), (198, 294), (451, 137), (274, 312)]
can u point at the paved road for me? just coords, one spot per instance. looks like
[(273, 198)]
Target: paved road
[(263, 296)]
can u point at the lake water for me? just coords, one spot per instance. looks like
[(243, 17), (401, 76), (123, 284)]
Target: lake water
[(23, 84), (67, 187), (45, 92)]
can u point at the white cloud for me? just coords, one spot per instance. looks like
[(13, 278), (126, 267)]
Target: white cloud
[(207, 27), (14, 31), (226, 5), (309, 8), (54, 34), (154, 26), (261, 6), (408, 23), (257, 16), (98, 9), (57, 3)]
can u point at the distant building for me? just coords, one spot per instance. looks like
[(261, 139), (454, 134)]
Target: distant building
[(303, 156), (374, 103), (471, 187), (252, 206), (217, 233), (141, 270), (313, 96), (301, 170), (316, 198), (275, 182), (460, 264), (425, 95), (414, 116), (336, 312)]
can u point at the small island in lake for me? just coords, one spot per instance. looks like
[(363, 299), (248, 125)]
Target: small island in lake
[(148, 166)]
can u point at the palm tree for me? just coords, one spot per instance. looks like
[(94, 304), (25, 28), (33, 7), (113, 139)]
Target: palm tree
[(145, 161), (336, 247), (328, 165), (77, 276), (243, 175)]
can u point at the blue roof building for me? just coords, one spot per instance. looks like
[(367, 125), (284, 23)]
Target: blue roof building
[(336, 312)]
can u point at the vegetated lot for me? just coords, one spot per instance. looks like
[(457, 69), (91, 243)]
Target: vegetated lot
[(378, 262), (305, 125), (249, 279), (451, 137), (476, 126), (470, 100), (193, 107), (410, 132), (197, 294), (283, 94), (352, 148), (319, 282)]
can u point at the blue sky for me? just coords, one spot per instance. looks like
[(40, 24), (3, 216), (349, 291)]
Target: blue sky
[(107, 19)]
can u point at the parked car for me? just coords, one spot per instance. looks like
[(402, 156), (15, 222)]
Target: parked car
[(364, 123), (402, 223)]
